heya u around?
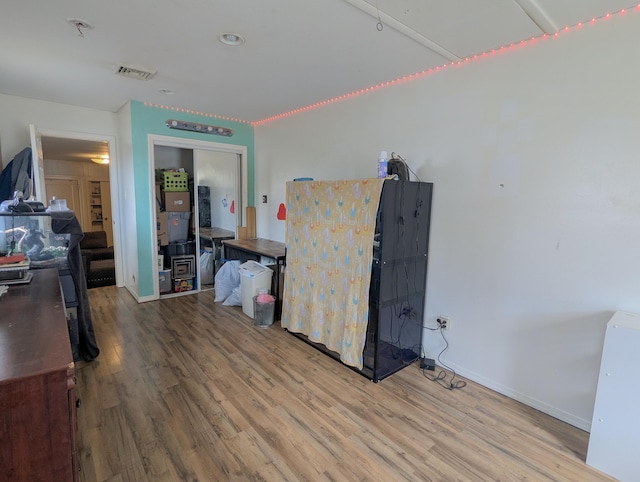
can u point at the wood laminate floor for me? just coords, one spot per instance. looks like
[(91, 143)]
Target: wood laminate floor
[(188, 389)]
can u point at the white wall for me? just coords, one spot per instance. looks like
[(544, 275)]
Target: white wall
[(16, 113), (536, 211), (168, 157)]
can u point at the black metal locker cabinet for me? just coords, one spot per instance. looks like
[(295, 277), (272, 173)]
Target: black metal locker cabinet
[(398, 279)]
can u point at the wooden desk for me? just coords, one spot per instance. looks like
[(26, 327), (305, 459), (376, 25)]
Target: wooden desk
[(254, 249), (216, 236), (37, 391)]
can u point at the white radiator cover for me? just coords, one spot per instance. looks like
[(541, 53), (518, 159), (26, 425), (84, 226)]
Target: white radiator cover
[(615, 428)]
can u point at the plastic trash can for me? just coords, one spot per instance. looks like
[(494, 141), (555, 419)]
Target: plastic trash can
[(253, 277), (263, 310)]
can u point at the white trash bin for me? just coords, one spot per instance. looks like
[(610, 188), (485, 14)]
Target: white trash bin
[(253, 277)]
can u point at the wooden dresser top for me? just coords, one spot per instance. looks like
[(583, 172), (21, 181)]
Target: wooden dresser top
[(34, 337)]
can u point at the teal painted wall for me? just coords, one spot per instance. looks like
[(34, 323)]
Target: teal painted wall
[(147, 120)]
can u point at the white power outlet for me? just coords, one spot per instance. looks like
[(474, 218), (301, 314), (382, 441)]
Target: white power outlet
[(444, 322)]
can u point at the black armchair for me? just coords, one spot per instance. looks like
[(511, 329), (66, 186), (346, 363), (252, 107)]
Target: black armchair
[(98, 259)]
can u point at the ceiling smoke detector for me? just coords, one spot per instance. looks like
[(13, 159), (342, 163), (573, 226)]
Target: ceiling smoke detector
[(135, 72)]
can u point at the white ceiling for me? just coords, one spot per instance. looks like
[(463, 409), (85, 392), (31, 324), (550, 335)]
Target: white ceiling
[(297, 52), (77, 150)]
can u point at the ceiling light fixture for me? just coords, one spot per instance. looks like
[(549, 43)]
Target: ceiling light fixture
[(195, 127), (231, 38), (101, 160)]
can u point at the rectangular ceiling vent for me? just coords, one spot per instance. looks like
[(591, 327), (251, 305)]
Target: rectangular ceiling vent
[(135, 72)]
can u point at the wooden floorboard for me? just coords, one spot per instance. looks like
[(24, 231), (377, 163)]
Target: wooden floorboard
[(186, 389)]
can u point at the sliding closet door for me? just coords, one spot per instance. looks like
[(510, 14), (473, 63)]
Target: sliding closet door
[(219, 172)]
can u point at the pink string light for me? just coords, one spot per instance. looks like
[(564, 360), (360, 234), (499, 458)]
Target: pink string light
[(194, 112), (500, 50)]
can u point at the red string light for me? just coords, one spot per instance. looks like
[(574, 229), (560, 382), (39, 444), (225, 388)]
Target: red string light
[(503, 49)]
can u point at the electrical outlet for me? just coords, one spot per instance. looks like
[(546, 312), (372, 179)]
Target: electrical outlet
[(444, 323)]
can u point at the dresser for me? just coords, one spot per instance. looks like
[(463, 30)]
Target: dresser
[(37, 391)]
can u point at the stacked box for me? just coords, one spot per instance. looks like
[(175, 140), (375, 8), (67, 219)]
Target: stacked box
[(183, 269), (183, 266), (175, 181), (177, 201), (180, 249), (182, 284), (162, 228), (178, 226)]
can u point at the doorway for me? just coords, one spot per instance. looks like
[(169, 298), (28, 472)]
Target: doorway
[(64, 161)]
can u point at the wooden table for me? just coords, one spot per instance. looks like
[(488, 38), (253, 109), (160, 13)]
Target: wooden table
[(216, 236), (37, 392), (254, 249)]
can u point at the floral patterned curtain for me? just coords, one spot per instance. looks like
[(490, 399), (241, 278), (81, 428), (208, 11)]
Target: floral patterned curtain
[(329, 238)]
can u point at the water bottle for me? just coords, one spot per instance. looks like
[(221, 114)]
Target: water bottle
[(382, 165)]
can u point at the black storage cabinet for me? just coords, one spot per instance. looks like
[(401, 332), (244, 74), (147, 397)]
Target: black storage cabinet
[(398, 279)]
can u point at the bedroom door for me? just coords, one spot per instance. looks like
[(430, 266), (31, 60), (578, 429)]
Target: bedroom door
[(219, 171), (68, 189)]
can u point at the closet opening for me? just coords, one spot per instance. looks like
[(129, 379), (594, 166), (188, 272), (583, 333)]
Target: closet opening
[(200, 190)]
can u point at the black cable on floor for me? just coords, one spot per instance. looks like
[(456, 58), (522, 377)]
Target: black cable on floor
[(441, 377)]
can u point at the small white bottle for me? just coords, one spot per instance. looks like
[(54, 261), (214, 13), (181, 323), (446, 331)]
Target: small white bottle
[(382, 165)]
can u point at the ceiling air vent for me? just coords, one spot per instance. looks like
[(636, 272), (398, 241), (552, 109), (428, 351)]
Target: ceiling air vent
[(135, 72)]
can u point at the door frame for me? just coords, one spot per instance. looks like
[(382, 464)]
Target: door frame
[(194, 144), (113, 180)]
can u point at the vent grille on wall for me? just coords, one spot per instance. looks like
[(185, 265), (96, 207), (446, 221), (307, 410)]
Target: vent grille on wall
[(135, 73)]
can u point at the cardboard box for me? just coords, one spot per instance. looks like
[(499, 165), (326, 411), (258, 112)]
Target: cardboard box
[(158, 200), (163, 228), (177, 201)]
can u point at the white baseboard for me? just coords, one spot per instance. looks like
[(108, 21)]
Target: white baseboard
[(521, 397)]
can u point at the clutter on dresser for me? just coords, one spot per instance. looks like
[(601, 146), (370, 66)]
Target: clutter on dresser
[(15, 273), (32, 241)]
